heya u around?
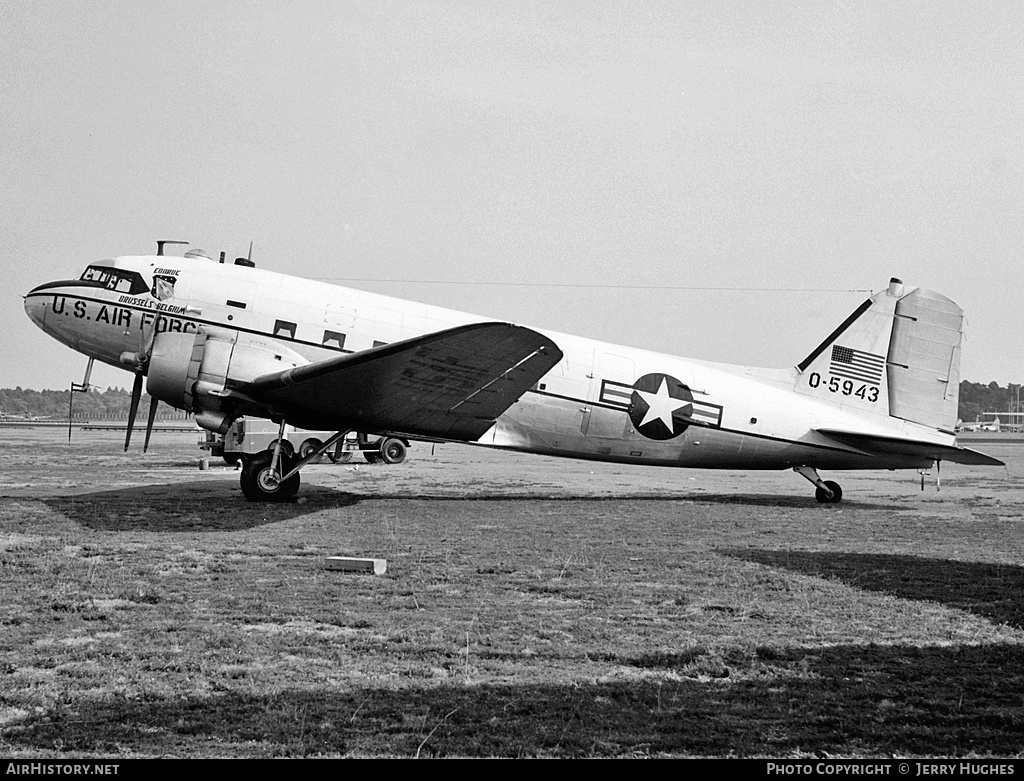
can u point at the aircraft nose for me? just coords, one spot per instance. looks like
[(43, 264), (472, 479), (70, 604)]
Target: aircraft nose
[(35, 307)]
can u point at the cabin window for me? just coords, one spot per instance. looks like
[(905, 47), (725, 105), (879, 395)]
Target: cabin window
[(334, 339), (236, 304), (284, 328), (378, 344)]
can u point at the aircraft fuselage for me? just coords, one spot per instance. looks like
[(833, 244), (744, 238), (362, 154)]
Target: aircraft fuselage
[(601, 401)]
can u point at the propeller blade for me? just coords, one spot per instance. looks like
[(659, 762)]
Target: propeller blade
[(147, 336), (153, 404), (136, 395)]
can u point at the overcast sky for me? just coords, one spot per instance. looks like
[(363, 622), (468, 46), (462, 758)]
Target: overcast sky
[(722, 180)]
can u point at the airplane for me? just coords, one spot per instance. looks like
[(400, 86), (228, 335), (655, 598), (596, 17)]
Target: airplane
[(221, 340)]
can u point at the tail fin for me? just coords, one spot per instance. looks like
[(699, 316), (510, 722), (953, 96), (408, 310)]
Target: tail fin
[(924, 360), (897, 355)]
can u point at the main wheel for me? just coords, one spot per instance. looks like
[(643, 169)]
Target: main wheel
[(824, 498), (392, 451), (260, 484)]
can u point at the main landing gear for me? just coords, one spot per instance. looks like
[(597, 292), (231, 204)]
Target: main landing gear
[(263, 481), (273, 475), (826, 491)]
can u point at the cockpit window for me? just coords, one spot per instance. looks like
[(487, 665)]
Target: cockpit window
[(122, 281)]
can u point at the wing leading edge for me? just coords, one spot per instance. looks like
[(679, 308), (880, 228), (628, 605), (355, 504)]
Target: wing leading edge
[(873, 443), (451, 384)]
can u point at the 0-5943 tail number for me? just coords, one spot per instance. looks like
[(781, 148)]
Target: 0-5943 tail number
[(844, 387)]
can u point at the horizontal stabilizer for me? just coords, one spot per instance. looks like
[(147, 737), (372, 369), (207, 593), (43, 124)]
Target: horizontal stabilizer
[(882, 445), (450, 384)]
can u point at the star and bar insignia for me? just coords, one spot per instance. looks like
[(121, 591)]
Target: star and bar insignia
[(660, 406)]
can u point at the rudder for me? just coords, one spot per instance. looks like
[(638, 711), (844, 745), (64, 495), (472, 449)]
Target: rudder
[(924, 360)]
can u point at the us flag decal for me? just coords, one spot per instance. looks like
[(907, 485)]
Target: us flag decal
[(856, 365)]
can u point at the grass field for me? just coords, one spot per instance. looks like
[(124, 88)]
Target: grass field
[(532, 607)]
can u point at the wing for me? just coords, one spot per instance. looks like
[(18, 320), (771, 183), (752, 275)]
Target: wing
[(872, 443), (450, 384)]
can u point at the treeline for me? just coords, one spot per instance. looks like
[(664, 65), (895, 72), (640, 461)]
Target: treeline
[(975, 398), (109, 404)]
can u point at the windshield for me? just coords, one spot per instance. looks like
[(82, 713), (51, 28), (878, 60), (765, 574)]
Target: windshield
[(122, 281)]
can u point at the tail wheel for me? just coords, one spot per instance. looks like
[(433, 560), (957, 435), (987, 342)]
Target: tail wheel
[(260, 484), (824, 498), (392, 451)]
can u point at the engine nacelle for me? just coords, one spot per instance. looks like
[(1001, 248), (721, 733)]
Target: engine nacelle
[(190, 371)]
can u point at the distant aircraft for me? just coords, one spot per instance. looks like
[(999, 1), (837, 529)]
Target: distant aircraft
[(222, 340)]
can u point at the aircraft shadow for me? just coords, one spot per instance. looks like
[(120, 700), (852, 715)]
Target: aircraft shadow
[(751, 500), (992, 591), (204, 506), (871, 701), (773, 500), (194, 506)]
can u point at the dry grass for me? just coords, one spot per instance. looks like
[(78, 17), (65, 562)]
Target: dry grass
[(532, 607)]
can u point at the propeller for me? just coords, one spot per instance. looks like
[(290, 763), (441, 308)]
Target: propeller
[(136, 395), (153, 404), (140, 360)]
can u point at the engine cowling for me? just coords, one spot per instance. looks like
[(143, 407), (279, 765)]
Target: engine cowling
[(191, 371)]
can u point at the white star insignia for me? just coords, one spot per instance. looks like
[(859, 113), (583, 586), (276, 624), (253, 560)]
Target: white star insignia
[(661, 405)]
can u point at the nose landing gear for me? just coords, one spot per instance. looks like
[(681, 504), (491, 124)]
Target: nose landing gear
[(826, 491)]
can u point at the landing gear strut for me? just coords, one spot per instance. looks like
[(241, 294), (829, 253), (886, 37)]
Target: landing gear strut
[(826, 491), (261, 482), (273, 475)]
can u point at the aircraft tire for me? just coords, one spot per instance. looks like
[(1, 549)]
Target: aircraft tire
[(259, 485), (372, 456), (392, 451), (308, 447), (824, 498), (340, 458)]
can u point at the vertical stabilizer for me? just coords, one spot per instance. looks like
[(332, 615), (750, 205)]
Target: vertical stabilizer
[(897, 355), (849, 366), (924, 360)]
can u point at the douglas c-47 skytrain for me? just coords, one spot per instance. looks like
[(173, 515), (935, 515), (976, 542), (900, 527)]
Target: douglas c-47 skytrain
[(222, 340)]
